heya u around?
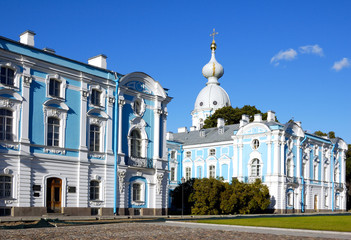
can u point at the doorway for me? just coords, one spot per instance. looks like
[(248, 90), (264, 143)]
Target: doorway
[(316, 203), (53, 195)]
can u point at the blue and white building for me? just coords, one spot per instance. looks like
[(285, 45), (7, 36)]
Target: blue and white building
[(303, 172), (77, 138)]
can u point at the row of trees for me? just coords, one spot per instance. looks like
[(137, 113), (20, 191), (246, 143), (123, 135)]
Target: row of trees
[(210, 196)]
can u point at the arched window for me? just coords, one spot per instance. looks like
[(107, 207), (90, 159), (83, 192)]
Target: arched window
[(94, 190), (7, 76), (94, 144), (212, 169), (6, 129), (187, 173), (53, 137), (5, 186), (255, 168), (135, 143)]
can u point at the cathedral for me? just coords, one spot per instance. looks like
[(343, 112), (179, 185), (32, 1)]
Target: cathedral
[(304, 172), (79, 139)]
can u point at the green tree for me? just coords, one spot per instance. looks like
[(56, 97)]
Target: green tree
[(206, 196), (232, 198), (176, 195), (320, 133), (233, 115)]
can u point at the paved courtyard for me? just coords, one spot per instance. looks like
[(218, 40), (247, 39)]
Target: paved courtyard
[(139, 231)]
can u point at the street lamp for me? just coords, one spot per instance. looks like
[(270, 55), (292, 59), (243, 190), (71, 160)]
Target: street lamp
[(183, 181)]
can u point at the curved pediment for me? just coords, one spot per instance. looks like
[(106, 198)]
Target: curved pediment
[(253, 128), (54, 103), (293, 129), (97, 113), (142, 82), (8, 93)]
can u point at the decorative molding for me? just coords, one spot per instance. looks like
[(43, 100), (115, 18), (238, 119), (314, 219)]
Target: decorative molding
[(54, 150), (13, 146), (138, 203), (27, 80), (7, 171), (7, 103), (10, 201), (97, 155), (121, 175), (137, 161), (111, 100), (159, 183), (96, 203)]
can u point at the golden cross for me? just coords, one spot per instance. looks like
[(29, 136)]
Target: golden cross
[(213, 34)]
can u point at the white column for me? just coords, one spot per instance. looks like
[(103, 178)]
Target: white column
[(121, 103), (83, 116), (164, 131), (269, 156), (276, 166), (157, 113), (235, 159), (109, 127), (241, 146), (282, 156), (298, 159), (24, 128)]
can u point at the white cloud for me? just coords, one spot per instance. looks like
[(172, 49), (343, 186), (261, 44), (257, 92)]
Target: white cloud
[(289, 54), (343, 63), (311, 49)]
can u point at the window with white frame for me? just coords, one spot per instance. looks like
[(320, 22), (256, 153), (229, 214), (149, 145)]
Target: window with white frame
[(188, 154), (5, 186), (136, 192), (6, 125), (172, 173), (136, 143), (53, 132), (54, 87), (94, 190), (212, 152), (7, 76), (187, 173), (255, 168), (94, 141), (255, 144), (212, 170), (95, 97), (290, 199), (315, 172)]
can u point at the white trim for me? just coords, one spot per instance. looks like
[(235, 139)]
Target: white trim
[(63, 86), (142, 192), (63, 188), (16, 78)]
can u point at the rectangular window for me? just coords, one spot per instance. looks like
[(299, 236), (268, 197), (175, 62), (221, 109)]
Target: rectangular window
[(136, 192), (5, 186), (95, 97), (53, 136), (94, 190), (54, 88), (6, 125), (94, 144), (212, 152), (172, 174), (7, 76), (187, 173), (212, 171), (188, 154), (173, 154)]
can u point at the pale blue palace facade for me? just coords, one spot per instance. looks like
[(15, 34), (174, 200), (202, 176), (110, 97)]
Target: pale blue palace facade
[(303, 172), (77, 138)]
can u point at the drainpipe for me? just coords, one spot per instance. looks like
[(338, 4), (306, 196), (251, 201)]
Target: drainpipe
[(180, 174), (302, 178), (332, 175), (115, 147)]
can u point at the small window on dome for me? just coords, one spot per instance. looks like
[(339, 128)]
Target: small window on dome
[(214, 102), (201, 103)]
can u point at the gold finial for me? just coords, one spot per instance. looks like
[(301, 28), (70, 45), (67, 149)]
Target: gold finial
[(213, 44)]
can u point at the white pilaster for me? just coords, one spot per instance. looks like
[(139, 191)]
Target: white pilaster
[(121, 103), (276, 166), (24, 128), (269, 156), (157, 113), (109, 130), (83, 116)]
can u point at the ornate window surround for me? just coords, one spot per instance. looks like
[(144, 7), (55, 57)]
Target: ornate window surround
[(138, 124), (59, 113), (99, 121), (290, 167), (9, 173), (102, 96), (14, 104), (142, 192), (17, 75), (100, 201), (63, 86)]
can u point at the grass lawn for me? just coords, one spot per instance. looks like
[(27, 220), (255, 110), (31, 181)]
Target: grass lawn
[(328, 223)]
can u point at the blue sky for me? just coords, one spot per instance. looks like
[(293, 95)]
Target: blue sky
[(293, 57)]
